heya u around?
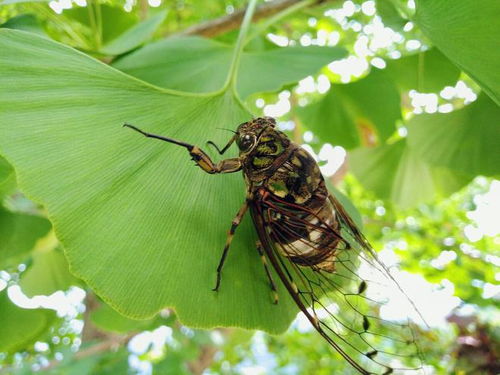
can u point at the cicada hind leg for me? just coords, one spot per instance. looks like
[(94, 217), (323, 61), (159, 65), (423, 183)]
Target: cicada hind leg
[(268, 272)]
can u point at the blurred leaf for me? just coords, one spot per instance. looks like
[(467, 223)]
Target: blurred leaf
[(390, 15), (18, 234), (139, 224), (7, 2), (21, 327), (467, 33), (373, 101), (26, 22), (466, 140), (428, 71), (48, 274), (7, 178), (347, 204), (200, 65), (115, 20), (272, 69), (108, 319), (135, 36), (187, 63), (330, 121), (80, 366), (376, 167), (395, 172)]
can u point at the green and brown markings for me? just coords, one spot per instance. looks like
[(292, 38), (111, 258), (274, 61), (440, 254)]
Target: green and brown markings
[(313, 246)]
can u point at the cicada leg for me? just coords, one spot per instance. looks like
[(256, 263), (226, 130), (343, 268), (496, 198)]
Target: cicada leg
[(236, 221), (198, 155), (268, 273)]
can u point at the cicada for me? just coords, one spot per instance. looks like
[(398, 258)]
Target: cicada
[(305, 234)]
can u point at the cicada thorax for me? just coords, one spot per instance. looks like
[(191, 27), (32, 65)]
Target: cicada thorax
[(287, 180)]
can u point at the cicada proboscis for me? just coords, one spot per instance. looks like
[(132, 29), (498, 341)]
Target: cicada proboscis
[(320, 256)]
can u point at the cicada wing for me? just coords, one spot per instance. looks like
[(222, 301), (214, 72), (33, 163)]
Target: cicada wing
[(344, 305)]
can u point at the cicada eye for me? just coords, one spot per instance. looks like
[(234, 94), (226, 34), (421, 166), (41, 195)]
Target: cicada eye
[(246, 142)]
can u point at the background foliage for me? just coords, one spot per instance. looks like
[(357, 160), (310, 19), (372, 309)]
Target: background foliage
[(120, 235)]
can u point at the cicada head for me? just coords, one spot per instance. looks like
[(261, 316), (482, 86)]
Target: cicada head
[(248, 133)]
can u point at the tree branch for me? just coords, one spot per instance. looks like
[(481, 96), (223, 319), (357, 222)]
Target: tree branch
[(233, 21), (112, 343)]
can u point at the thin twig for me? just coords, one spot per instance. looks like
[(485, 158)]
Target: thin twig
[(232, 21), (113, 343)]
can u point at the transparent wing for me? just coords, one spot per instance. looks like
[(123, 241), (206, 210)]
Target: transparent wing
[(346, 306)]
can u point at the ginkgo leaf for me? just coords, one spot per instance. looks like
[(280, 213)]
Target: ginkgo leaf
[(18, 235), (462, 140), (467, 33), (139, 223), (21, 327), (47, 274), (135, 36), (396, 172), (7, 178), (200, 65)]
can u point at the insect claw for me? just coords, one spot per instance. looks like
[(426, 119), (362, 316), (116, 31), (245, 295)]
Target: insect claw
[(275, 296)]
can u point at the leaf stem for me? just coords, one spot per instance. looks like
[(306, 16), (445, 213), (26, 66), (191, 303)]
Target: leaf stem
[(62, 24), (238, 49), (95, 22), (278, 17), (420, 72)]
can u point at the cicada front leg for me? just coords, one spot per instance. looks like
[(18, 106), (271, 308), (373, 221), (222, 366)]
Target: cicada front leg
[(198, 155)]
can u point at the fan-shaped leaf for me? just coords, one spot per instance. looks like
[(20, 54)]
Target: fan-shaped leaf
[(7, 178), (428, 71), (141, 225), (467, 33), (48, 274), (397, 173), (135, 36), (466, 140), (18, 235), (200, 65), (20, 327), (373, 101)]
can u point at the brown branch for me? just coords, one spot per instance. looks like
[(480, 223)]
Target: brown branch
[(207, 353), (112, 343), (232, 21)]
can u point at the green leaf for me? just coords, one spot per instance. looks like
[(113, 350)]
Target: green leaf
[(116, 20), (21, 327), (330, 121), (397, 173), (390, 15), (187, 63), (139, 223), (7, 178), (199, 65), (108, 319), (272, 69), (465, 140), (347, 204), (7, 2), (26, 22), (135, 36), (428, 71), (467, 33), (373, 101), (18, 235), (48, 274)]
